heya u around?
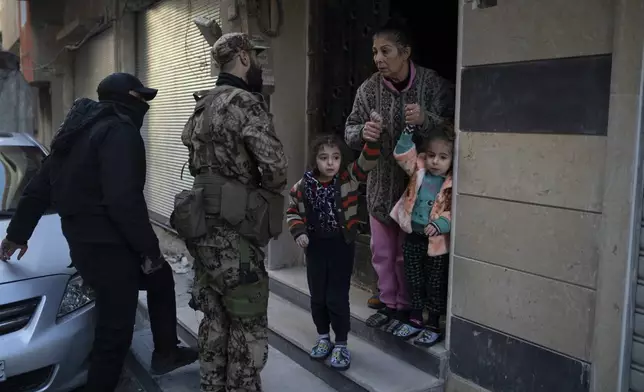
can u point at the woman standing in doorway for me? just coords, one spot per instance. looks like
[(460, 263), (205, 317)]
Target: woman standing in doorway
[(401, 93)]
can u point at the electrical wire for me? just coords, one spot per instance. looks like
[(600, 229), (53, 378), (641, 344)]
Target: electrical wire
[(186, 50)]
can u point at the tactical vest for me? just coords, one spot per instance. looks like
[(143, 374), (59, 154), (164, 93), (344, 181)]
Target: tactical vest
[(255, 213)]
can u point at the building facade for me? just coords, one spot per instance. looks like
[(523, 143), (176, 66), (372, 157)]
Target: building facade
[(544, 292)]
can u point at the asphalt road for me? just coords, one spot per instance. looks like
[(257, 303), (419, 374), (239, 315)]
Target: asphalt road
[(128, 383)]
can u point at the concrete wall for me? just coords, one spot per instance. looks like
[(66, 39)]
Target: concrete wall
[(10, 24), (288, 104), (49, 66), (60, 23), (16, 99), (622, 192), (541, 225)]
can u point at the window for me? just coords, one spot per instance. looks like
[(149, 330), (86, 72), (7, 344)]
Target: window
[(18, 165)]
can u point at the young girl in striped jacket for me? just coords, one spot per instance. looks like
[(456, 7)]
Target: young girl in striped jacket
[(323, 218)]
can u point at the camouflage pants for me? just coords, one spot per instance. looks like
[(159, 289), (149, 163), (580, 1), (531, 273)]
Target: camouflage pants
[(232, 350)]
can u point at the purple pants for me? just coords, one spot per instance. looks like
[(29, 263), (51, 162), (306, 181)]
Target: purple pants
[(387, 260)]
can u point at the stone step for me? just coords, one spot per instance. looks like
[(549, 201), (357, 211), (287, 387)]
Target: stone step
[(291, 284), (372, 369), (281, 373)]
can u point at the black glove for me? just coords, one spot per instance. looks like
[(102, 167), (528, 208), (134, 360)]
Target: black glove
[(150, 266)]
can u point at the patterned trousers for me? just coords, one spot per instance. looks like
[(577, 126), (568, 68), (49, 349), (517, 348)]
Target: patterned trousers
[(427, 277), (232, 350)]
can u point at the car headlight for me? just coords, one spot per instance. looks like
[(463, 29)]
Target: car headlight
[(76, 296)]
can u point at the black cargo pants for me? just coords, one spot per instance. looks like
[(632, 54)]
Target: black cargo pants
[(329, 264), (114, 272)]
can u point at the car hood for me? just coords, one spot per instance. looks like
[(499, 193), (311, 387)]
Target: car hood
[(48, 253)]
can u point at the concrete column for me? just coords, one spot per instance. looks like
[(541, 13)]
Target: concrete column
[(622, 205), (288, 104)]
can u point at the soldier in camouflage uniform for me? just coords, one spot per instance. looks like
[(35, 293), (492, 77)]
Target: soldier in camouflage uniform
[(233, 137)]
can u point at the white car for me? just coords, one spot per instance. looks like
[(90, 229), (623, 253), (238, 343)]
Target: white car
[(47, 316)]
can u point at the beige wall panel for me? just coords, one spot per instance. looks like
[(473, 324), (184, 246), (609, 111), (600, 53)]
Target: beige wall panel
[(520, 30), (556, 170), (549, 313), (551, 242)]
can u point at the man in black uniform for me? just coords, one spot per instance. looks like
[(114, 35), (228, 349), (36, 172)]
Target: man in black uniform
[(94, 180)]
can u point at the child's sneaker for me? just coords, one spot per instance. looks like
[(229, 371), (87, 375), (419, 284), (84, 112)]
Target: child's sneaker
[(321, 350), (340, 358)]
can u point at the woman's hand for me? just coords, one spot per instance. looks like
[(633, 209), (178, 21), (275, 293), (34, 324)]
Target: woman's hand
[(371, 131), (302, 241), (414, 114), (430, 230)]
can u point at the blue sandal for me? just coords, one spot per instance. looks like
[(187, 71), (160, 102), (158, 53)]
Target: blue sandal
[(428, 338), (321, 350), (406, 331), (341, 358)]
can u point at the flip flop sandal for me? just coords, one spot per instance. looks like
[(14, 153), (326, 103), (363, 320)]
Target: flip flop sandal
[(407, 331), (380, 318), (428, 338)]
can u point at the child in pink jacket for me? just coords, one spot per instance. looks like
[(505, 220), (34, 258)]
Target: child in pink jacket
[(424, 213)]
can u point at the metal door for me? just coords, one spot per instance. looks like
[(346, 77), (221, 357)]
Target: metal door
[(172, 56)]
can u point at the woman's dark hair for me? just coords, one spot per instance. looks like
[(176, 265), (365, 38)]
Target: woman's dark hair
[(396, 33), (443, 131), (322, 140)]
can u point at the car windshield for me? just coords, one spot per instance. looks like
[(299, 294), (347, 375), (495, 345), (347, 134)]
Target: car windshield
[(18, 165)]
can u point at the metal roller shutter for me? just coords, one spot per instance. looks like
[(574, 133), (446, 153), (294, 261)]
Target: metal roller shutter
[(93, 62), (172, 56)]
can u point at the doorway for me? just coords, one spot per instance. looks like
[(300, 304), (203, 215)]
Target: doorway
[(340, 59), (433, 27), (340, 40)]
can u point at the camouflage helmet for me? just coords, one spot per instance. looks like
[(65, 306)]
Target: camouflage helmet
[(229, 45)]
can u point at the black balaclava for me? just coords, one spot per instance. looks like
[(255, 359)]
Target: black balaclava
[(128, 105), (254, 78)]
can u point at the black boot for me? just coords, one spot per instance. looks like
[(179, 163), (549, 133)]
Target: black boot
[(163, 363)]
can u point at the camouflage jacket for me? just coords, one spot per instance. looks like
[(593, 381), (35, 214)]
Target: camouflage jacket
[(232, 133)]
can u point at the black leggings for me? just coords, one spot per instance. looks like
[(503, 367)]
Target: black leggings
[(329, 264), (427, 278)]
